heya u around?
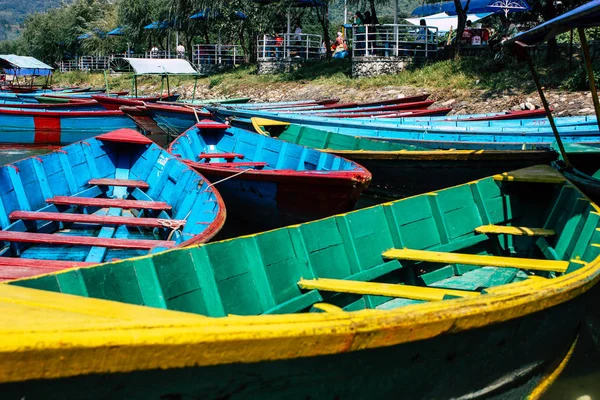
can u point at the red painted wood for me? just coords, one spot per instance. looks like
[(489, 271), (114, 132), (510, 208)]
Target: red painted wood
[(64, 114), (12, 272), (95, 219), (45, 238), (210, 124), (182, 109), (119, 182), (42, 264), (100, 202), (124, 135), (240, 164), (47, 129), (220, 155), (57, 107)]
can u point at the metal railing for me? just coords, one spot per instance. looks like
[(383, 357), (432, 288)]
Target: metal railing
[(394, 41), (289, 46), (218, 54)]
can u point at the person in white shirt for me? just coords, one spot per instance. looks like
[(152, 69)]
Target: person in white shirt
[(298, 32), (180, 51)]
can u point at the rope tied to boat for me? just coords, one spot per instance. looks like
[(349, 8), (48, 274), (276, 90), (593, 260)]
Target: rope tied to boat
[(229, 177), (169, 223), (195, 113)]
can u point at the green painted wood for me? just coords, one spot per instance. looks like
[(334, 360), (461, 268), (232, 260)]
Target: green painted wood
[(260, 274)]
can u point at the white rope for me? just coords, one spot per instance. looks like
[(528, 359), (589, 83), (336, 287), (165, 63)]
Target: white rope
[(229, 177), (195, 112)]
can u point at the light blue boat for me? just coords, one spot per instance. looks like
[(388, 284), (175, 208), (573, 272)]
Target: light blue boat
[(463, 136), (111, 197)]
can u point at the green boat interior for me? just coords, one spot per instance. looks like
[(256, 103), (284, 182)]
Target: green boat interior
[(463, 241)]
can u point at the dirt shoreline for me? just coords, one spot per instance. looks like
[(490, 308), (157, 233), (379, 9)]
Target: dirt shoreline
[(462, 101)]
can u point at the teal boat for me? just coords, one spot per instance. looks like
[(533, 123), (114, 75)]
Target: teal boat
[(475, 291), (401, 170), (239, 100)]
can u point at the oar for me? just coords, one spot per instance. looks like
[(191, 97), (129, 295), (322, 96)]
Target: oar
[(538, 85), (590, 71)]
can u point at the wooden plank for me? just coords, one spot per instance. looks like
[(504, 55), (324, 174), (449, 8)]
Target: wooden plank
[(514, 230), (45, 238), (535, 174), (382, 289), (119, 182), (472, 259), (95, 219), (220, 155), (326, 307), (101, 202)]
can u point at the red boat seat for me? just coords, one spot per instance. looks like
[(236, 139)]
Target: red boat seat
[(210, 124), (95, 219), (119, 182), (113, 243), (101, 202), (220, 155)]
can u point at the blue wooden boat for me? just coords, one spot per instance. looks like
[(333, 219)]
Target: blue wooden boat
[(76, 105), (29, 126), (268, 183), (171, 120), (435, 137), (111, 197)]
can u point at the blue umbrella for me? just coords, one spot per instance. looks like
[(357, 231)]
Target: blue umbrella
[(475, 7), (120, 31), (208, 13), (159, 25)]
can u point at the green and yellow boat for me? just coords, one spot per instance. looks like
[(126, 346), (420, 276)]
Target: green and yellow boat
[(474, 291), (399, 169)]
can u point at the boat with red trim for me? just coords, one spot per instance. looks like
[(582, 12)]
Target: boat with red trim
[(107, 198), (268, 183), (30, 126)]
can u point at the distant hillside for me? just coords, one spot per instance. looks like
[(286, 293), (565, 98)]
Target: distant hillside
[(13, 12)]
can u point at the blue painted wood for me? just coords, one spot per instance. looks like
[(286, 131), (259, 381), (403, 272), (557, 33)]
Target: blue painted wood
[(439, 134), (26, 185)]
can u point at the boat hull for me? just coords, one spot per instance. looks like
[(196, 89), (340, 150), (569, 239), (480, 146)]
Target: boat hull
[(404, 174), (62, 127), (257, 203), (521, 356)]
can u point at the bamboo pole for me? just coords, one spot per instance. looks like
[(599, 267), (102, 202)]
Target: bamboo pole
[(590, 71), (540, 90)]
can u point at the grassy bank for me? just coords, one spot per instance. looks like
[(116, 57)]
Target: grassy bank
[(468, 73)]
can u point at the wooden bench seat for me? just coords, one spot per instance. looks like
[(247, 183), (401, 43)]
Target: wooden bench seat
[(45, 238), (94, 219), (381, 289), (514, 230), (102, 202), (231, 156), (534, 174), (47, 264), (209, 124), (119, 182), (472, 259)]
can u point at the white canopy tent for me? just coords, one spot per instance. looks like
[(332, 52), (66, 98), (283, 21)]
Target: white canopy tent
[(153, 66), (445, 22), (163, 67)]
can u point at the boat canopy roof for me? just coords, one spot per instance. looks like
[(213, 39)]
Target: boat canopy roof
[(584, 16), (151, 66), (24, 65)]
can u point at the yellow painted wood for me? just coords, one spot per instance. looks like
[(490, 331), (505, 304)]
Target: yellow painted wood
[(258, 124), (382, 289), (514, 230), (472, 259), (535, 174), (326, 307)]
